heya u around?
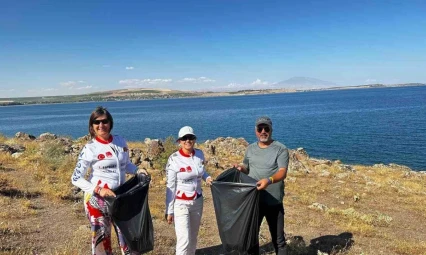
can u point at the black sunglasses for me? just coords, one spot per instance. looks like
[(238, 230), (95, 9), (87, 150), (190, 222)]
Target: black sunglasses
[(266, 128), (103, 121), (188, 137)]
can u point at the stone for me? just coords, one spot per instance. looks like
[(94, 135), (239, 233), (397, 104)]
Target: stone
[(24, 136), (318, 206), (47, 136), (17, 154)]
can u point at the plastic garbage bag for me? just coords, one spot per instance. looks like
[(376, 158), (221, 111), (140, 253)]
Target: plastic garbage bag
[(130, 212), (236, 203)]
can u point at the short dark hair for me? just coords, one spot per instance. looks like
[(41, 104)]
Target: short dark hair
[(99, 111)]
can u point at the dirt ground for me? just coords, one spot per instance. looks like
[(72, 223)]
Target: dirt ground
[(31, 223)]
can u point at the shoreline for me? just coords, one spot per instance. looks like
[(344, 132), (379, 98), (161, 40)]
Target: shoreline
[(21, 136), (191, 94)]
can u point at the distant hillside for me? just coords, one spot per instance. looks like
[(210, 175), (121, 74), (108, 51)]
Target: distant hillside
[(296, 84), (111, 95), (304, 83)]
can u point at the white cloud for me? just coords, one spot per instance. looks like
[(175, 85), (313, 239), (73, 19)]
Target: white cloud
[(370, 81), (131, 83), (256, 84), (129, 68), (85, 87), (259, 82), (7, 90), (201, 79), (71, 84)]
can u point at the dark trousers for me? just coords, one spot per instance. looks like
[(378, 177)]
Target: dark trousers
[(274, 215)]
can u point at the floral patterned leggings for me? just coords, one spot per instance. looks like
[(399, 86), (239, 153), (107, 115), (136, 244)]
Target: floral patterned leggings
[(100, 221)]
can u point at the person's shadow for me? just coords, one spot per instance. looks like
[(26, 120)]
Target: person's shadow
[(330, 244)]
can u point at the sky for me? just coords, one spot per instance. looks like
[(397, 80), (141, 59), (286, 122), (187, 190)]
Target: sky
[(77, 47)]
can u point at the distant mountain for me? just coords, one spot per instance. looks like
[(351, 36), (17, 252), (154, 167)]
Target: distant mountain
[(304, 83)]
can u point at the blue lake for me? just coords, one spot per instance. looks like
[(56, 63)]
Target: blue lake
[(361, 126)]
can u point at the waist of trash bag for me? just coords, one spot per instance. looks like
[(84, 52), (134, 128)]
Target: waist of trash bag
[(194, 197)]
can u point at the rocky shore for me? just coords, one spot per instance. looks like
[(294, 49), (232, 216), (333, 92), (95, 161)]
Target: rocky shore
[(221, 153)]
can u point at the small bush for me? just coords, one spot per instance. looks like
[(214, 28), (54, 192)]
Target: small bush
[(170, 146), (53, 155)]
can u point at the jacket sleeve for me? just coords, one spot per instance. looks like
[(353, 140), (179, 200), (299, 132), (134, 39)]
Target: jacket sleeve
[(130, 167), (171, 185), (83, 163)]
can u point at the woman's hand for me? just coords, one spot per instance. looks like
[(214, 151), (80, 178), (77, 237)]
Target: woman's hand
[(105, 192), (209, 181), (169, 218)]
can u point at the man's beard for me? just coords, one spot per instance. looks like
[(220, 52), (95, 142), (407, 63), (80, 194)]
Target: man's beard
[(264, 139)]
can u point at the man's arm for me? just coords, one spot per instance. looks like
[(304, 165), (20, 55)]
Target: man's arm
[(280, 175)]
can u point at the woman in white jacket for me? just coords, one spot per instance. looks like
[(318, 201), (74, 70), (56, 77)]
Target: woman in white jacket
[(108, 157), (184, 197)]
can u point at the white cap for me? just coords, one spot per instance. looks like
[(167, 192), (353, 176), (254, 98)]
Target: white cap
[(186, 130)]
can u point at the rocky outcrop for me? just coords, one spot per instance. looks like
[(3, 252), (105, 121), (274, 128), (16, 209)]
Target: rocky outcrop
[(24, 136), (47, 137), (11, 149)]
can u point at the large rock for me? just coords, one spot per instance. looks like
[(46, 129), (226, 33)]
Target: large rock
[(24, 136), (155, 147), (296, 161), (47, 136), (11, 148), (85, 138)]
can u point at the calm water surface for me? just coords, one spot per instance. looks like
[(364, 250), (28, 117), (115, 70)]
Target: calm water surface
[(365, 126)]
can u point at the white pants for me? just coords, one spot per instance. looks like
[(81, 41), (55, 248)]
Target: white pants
[(187, 217)]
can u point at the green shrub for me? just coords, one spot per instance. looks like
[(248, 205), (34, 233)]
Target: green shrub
[(170, 146)]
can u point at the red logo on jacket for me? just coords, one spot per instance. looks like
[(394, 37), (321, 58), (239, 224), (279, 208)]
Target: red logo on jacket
[(188, 169), (182, 169), (101, 156), (108, 154)]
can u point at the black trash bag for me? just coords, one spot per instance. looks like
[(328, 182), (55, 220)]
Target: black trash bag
[(236, 203), (130, 212)]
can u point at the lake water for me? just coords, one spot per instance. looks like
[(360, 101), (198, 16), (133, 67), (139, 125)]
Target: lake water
[(365, 126)]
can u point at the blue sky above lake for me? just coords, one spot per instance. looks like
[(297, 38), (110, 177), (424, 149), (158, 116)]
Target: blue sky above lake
[(74, 47)]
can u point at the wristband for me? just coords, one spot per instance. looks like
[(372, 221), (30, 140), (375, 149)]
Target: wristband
[(270, 180)]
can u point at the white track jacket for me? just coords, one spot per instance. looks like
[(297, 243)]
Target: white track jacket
[(109, 162), (184, 174)]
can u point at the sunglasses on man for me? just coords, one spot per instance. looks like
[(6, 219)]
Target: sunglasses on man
[(103, 121), (266, 128), (188, 137)]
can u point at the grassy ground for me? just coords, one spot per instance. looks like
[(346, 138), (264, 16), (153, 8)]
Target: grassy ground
[(329, 210)]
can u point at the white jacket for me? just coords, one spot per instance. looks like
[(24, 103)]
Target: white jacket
[(109, 162), (184, 174)]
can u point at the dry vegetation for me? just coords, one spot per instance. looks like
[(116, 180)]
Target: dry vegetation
[(329, 210)]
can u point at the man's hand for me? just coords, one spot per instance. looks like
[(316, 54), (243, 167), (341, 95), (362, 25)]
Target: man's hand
[(240, 168), (169, 218), (209, 181), (262, 184)]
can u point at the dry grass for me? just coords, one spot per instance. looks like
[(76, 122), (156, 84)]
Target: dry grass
[(409, 247), (383, 208)]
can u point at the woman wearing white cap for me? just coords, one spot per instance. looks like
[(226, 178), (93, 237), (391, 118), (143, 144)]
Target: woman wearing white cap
[(184, 198)]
